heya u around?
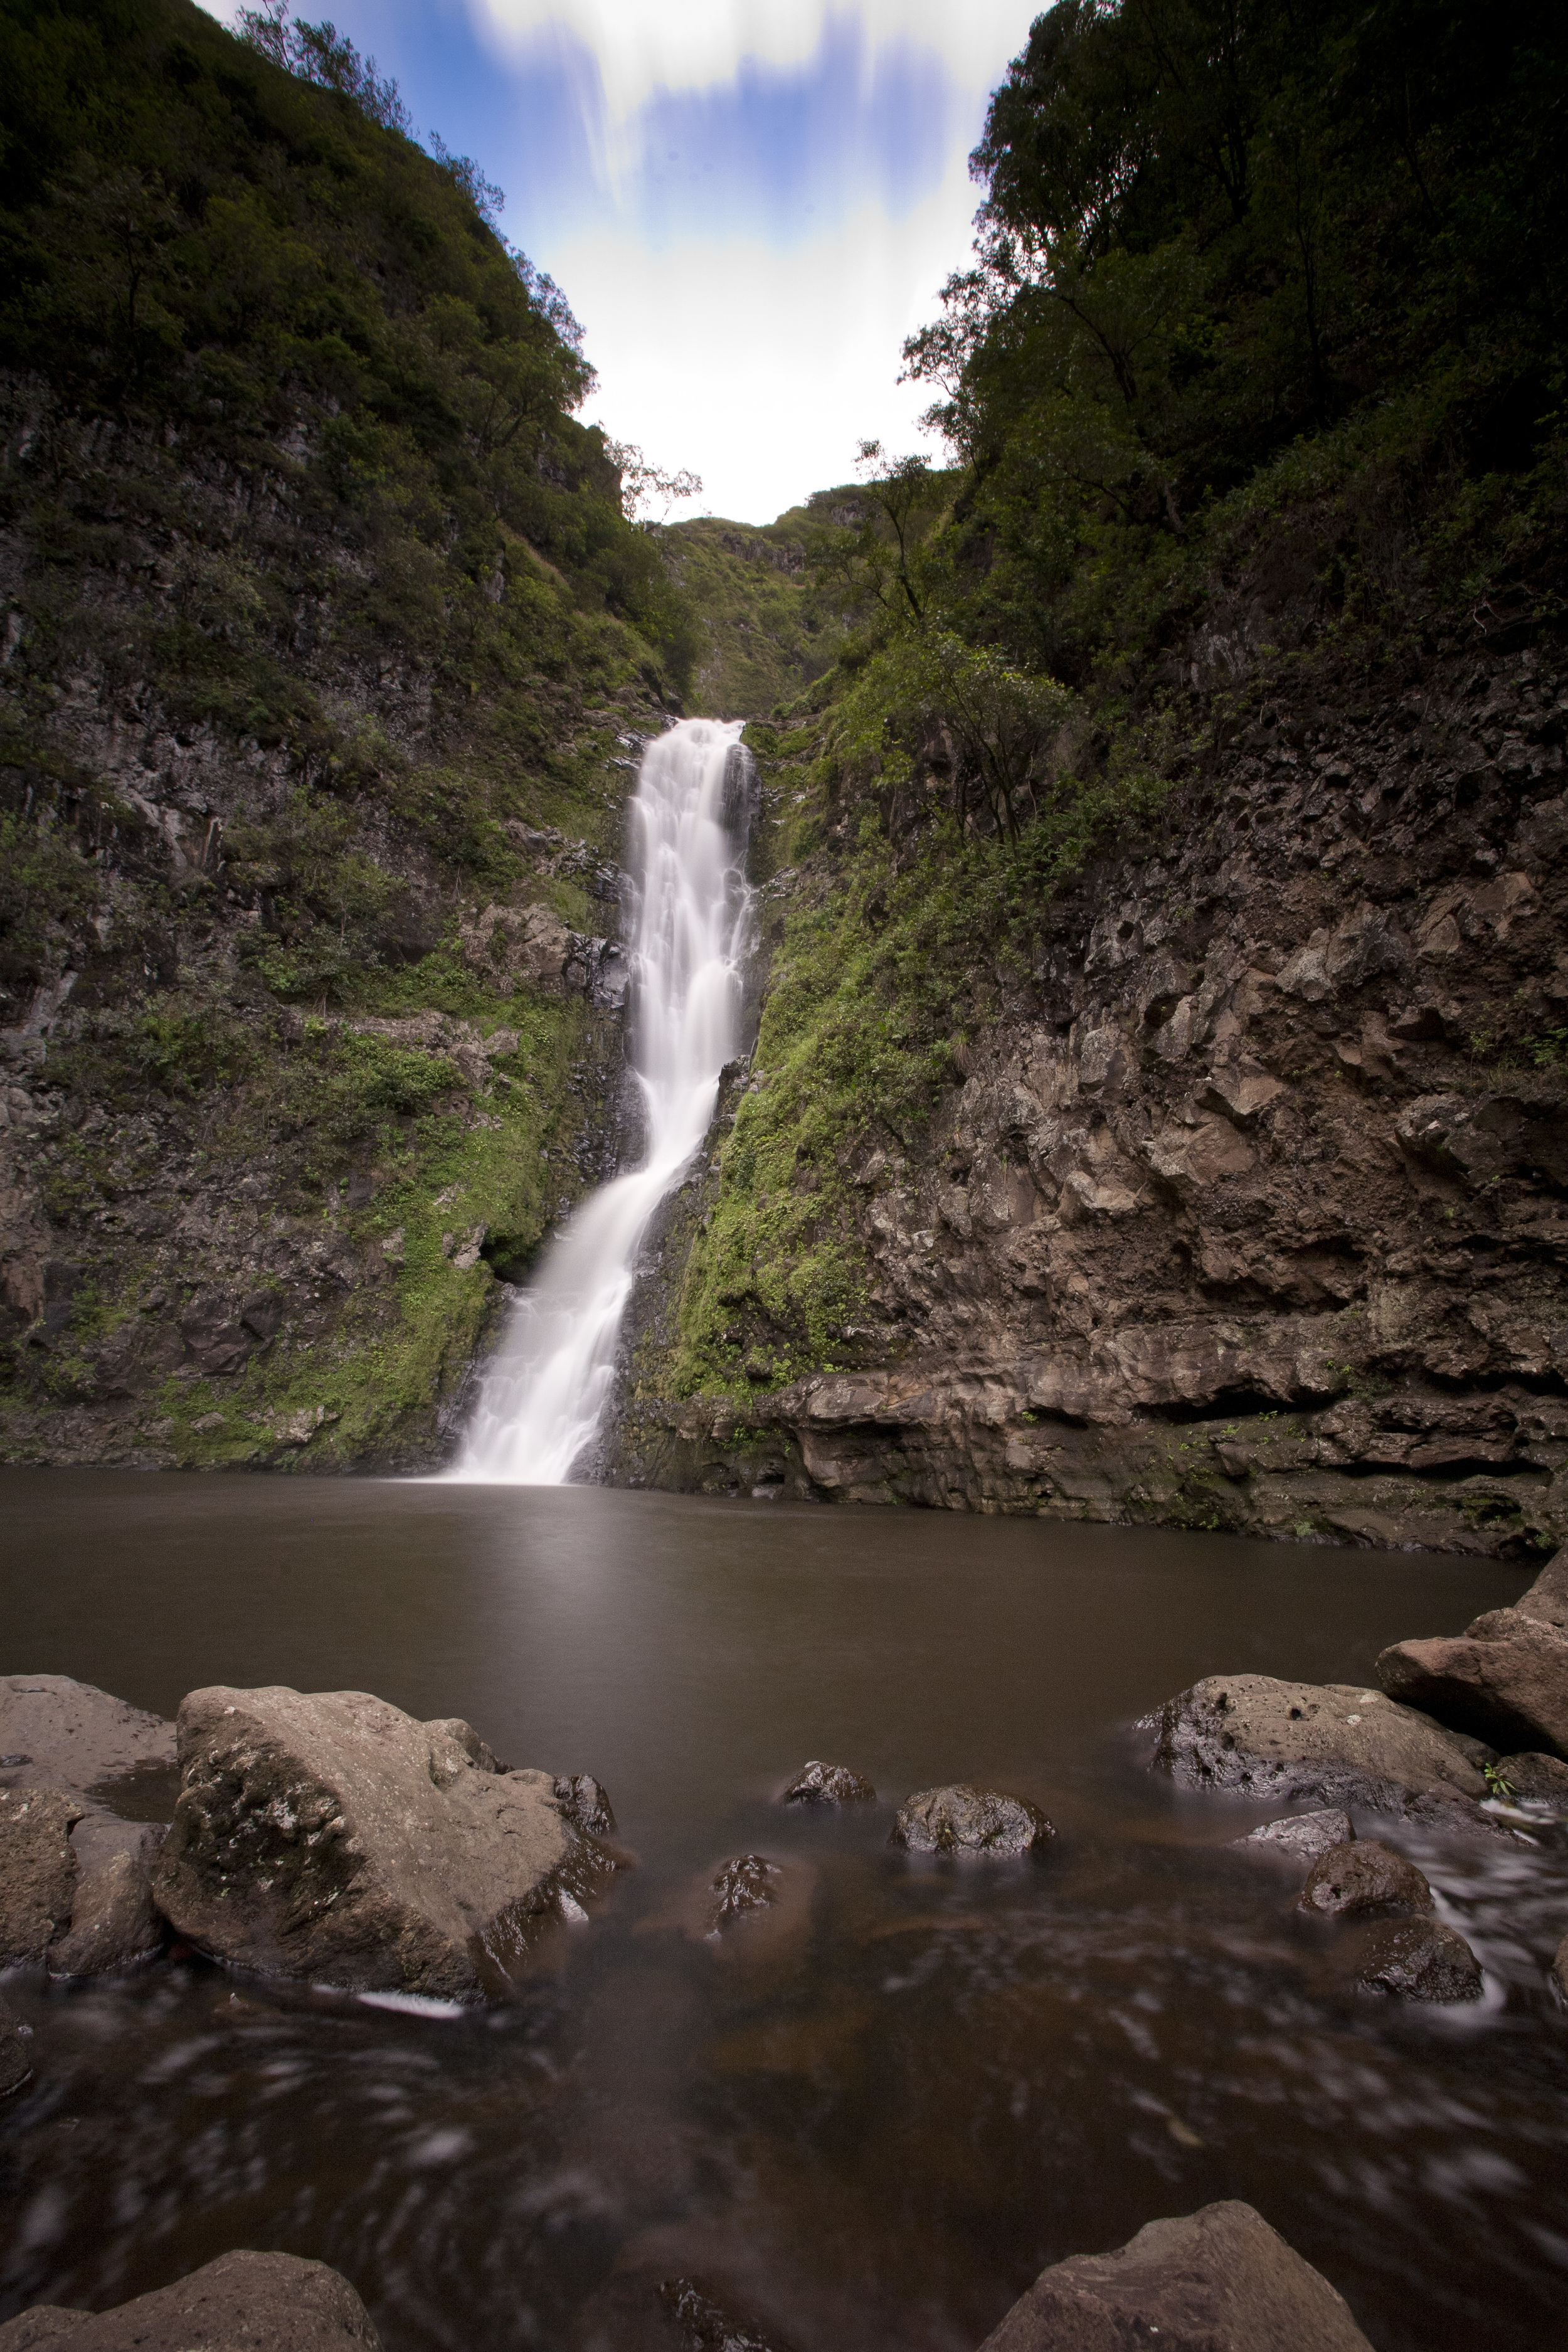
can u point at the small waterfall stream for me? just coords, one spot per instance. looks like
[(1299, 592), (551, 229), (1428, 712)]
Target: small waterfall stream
[(544, 1393)]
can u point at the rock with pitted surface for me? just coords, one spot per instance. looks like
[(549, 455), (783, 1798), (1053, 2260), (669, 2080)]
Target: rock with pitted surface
[(331, 1837), (1415, 1959), (961, 1819), (1361, 1880), (1504, 1679), (16, 2059), (1537, 1780), (241, 2303), (828, 1784), (1219, 2280), (1339, 1742), (60, 1733), (1302, 1837), (38, 1870)]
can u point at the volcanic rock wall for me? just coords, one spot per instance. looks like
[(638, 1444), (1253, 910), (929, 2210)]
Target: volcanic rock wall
[(1250, 1210)]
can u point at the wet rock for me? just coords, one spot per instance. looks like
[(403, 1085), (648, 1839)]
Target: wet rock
[(1416, 1959), (828, 1784), (1336, 1741), (1559, 1971), (706, 2324), (584, 1801), (114, 1923), (38, 1870), (1219, 2280), (960, 1819), (1505, 1680), (60, 1733), (1357, 1881), (241, 2303), (15, 2061), (1303, 1836), (746, 1883), (1539, 1780), (332, 1838)]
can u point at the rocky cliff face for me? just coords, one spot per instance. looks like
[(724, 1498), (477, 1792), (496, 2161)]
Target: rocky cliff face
[(1247, 1208)]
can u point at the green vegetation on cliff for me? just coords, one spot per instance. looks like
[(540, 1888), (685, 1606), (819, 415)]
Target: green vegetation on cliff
[(1258, 377), (325, 642)]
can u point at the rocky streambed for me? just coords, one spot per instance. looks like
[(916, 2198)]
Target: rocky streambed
[(321, 2010)]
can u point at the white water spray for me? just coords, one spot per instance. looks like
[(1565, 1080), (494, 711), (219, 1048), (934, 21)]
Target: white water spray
[(543, 1396)]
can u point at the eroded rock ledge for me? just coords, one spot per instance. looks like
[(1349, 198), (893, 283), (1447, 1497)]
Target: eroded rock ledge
[(1250, 1210)]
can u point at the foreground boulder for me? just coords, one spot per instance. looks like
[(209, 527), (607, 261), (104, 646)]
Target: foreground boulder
[(241, 2303), (961, 1819), (828, 1784), (61, 1734), (1414, 1959), (1337, 1742), (75, 1884), (1558, 1971), (334, 1838), (1504, 1679), (1219, 2280), (1358, 1881), (38, 1870)]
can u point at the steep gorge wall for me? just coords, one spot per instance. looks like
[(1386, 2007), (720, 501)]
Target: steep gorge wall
[(1251, 1209)]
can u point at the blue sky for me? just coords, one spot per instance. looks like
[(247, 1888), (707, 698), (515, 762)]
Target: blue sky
[(748, 202)]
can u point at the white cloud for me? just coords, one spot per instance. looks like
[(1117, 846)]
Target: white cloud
[(645, 46), (759, 369)]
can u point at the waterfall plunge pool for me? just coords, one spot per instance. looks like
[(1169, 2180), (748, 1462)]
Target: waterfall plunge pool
[(959, 2072)]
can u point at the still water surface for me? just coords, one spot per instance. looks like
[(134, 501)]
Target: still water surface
[(878, 2135)]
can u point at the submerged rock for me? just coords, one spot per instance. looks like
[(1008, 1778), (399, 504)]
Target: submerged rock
[(1355, 1881), (1335, 1741), (241, 2303), (1505, 1680), (1303, 1836), (960, 1819), (1416, 1959), (15, 2062), (828, 1784), (706, 2323), (1219, 2280), (331, 1837)]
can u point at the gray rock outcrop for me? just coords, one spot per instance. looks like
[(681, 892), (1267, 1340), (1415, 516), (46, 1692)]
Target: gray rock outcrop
[(828, 1784), (114, 1923), (1219, 2280), (331, 1837), (1358, 1881), (1302, 1837), (1338, 1742), (38, 1870), (240, 2302), (961, 1819), (1504, 1679)]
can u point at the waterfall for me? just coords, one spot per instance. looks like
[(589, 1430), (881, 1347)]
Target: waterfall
[(544, 1393)]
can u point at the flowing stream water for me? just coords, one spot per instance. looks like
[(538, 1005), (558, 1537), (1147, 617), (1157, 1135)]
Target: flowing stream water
[(543, 1395), (875, 2132)]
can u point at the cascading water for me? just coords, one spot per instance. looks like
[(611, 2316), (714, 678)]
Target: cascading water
[(544, 1393)]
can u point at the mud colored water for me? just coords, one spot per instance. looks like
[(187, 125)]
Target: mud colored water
[(877, 2135)]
